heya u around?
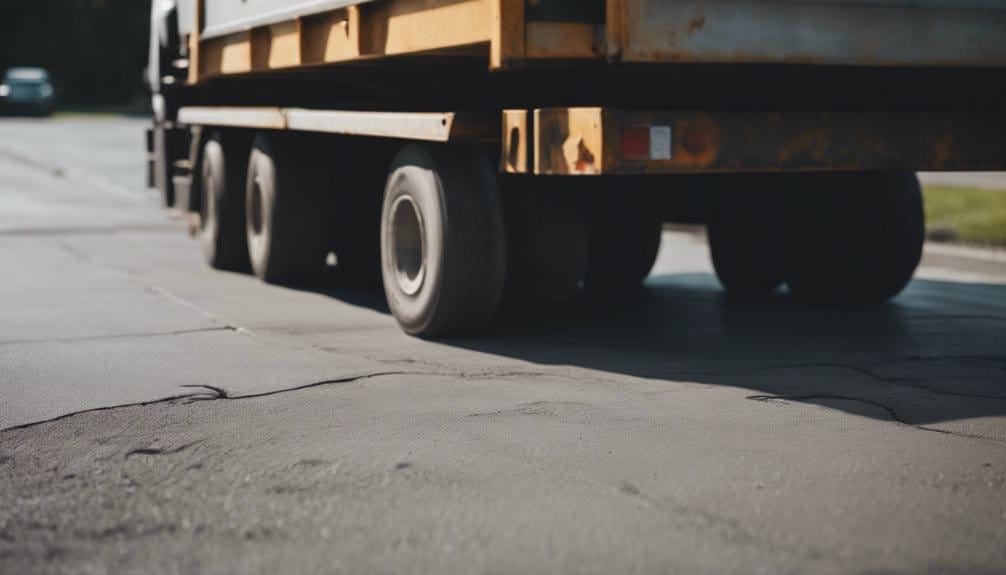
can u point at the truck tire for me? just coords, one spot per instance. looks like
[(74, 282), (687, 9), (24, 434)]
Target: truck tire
[(546, 242), (288, 209), (747, 238), (222, 202), (621, 254), (855, 238), (443, 250)]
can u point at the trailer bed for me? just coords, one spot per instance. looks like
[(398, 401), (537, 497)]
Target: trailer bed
[(237, 37)]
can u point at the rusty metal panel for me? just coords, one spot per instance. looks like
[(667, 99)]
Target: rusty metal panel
[(569, 141), (830, 32), (590, 141)]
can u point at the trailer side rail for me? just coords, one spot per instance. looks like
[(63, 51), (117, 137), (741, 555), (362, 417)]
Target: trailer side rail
[(421, 126), (594, 141), (512, 33)]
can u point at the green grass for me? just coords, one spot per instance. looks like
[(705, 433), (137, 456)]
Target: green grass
[(966, 215)]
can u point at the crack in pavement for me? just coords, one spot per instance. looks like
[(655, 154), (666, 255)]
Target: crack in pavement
[(223, 395), (901, 382), (183, 303), (895, 417), (867, 371), (170, 399), (534, 408), (160, 451), (219, 394)]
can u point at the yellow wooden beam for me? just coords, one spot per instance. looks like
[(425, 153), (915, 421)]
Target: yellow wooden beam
[(331, 37), (507, 44), (409, 26), (378, 29), (194, 44)]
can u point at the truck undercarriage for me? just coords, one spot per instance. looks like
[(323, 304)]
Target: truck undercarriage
[(432, 143)]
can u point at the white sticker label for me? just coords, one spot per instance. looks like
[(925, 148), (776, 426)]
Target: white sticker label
[(660, 142)]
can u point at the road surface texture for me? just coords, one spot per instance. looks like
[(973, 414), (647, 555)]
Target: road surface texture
[(160, 417)]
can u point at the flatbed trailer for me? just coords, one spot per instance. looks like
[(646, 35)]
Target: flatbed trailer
[(431, 143)]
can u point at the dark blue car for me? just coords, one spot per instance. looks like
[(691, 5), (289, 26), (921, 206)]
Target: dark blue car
[(27, 91)]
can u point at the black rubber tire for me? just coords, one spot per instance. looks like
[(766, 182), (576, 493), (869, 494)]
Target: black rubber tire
[(747, 237), (288, 208), (854, 238), (626, 226), (546, 241), (621, 254), (223, 178), (443, 251)]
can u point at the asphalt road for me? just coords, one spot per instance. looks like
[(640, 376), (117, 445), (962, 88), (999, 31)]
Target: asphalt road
[(161, 417)]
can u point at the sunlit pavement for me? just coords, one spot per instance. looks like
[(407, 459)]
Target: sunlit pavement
[(163, 417)]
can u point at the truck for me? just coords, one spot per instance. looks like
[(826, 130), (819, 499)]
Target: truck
[(468, 154)]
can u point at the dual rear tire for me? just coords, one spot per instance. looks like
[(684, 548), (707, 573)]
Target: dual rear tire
[(288, 207), (831, 238), (221, 207), (264, 206), (457, 239), (622, 253), (564, 233)]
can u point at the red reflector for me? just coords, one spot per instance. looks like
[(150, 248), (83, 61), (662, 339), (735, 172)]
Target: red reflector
[(636, 143)]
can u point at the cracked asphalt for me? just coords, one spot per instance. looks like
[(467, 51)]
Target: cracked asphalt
[(159, 417)]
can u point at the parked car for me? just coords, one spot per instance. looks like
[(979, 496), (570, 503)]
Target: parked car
[(27, 91)]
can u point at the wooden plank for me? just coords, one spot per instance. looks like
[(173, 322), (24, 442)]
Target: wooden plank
[(507, 44), (409, 26), (332, 37), (228, 55), (277, 46), (615, 28), (195, 67), (378, 29), (284, 46)]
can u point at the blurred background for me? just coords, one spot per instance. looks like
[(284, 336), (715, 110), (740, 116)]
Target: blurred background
[(70, 38)]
